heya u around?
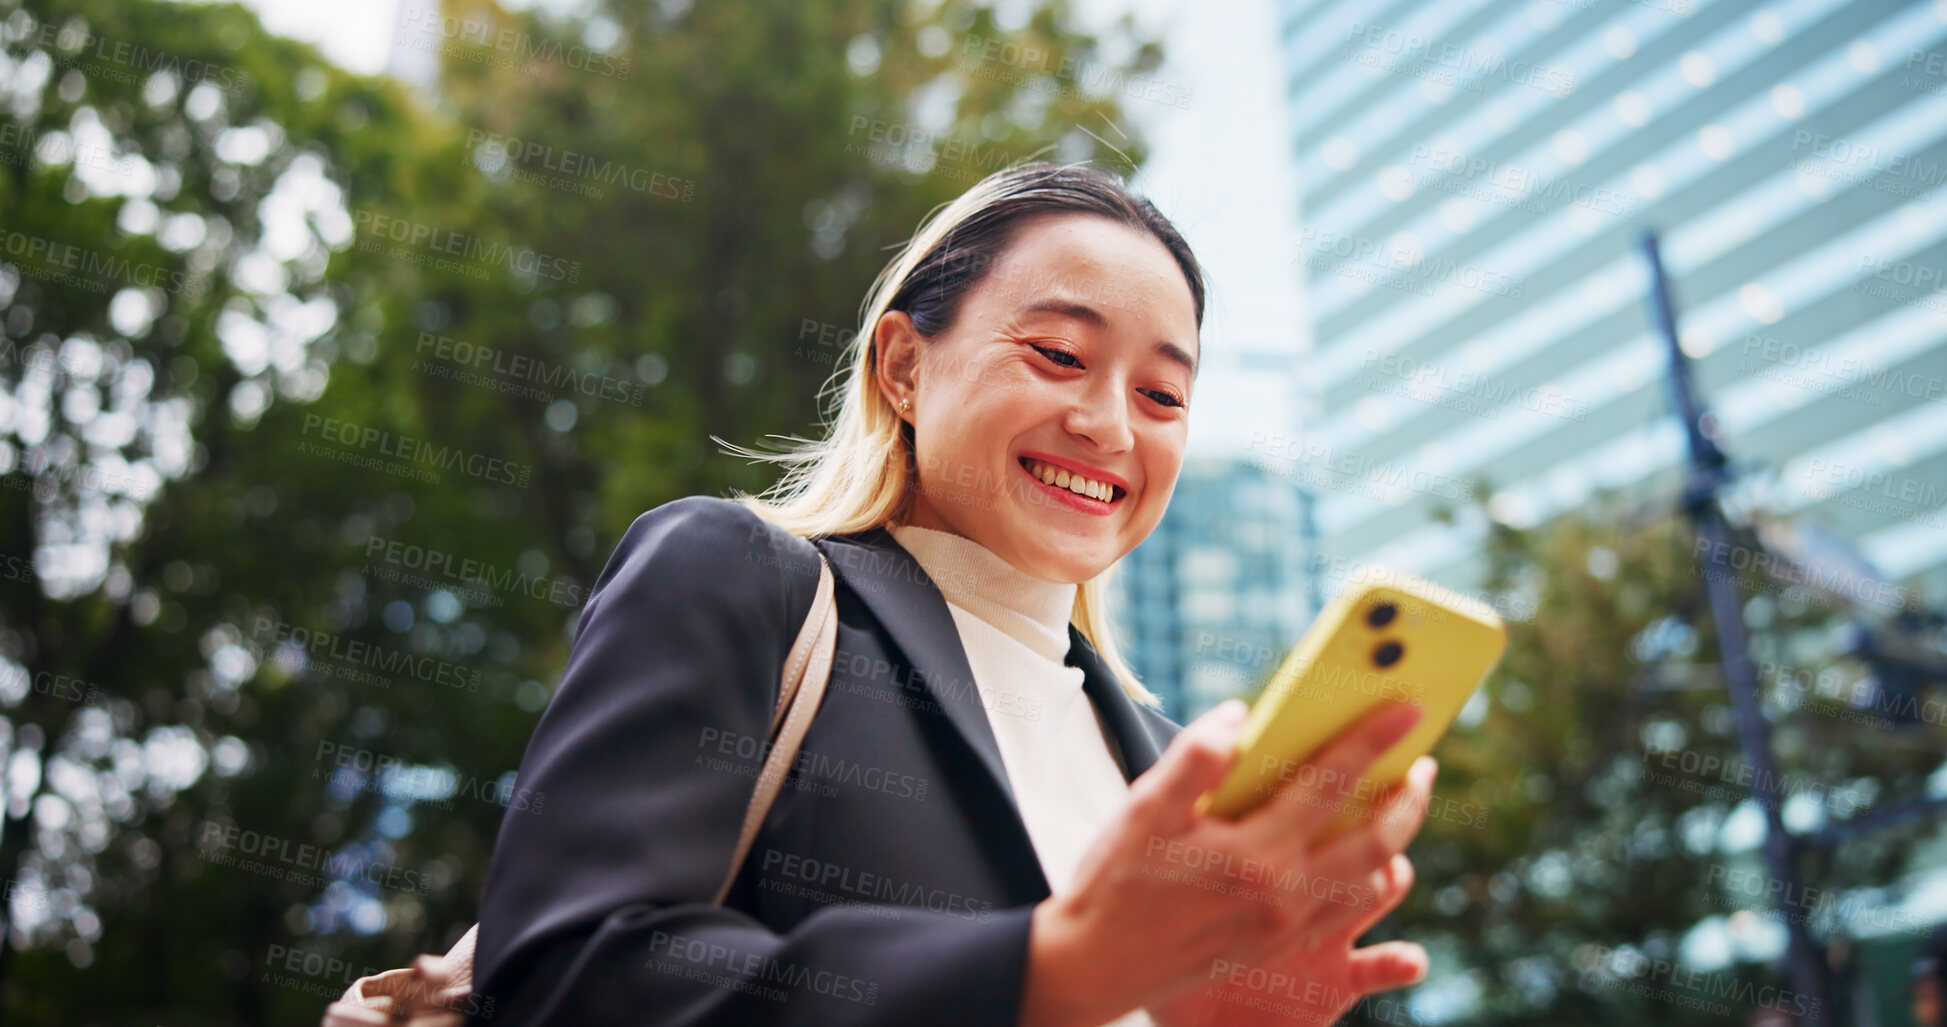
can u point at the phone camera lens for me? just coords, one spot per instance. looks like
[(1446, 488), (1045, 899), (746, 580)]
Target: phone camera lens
[(1388, 653), (1382, 615)]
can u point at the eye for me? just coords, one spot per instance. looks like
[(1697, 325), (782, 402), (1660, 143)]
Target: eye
[(1053, 354), (1162, 397)]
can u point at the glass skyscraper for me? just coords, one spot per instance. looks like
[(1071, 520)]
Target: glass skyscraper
[(1215, 596), (1474, 178)]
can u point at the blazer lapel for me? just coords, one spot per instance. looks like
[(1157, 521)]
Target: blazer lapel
[(914, 613), (1141, 745), (912, 610)]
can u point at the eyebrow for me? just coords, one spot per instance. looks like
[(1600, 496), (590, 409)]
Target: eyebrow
[(1084, 312)]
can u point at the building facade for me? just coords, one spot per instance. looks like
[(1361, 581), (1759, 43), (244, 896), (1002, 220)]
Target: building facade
[(1475, 178)]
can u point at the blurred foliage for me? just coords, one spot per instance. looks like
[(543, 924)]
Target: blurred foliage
[(325, 400), (1568, 844)]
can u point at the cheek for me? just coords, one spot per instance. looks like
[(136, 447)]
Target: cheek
[(996, 396), (1162, 458), (952, 435)]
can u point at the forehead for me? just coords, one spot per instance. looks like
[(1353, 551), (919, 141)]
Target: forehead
[(1122, 271)]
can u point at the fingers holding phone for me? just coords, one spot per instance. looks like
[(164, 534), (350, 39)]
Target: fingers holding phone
[(1353, 868), (1320, 787)]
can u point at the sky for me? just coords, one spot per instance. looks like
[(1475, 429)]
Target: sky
[(1218, 169)]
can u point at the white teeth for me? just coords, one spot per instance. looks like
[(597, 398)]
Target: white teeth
[(1063, 479)]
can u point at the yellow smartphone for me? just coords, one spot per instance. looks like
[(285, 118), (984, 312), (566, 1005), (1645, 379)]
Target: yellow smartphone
[(1400, 639)]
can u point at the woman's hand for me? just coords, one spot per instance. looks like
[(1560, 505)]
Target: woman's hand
[(1165, 897), (1314, 987)]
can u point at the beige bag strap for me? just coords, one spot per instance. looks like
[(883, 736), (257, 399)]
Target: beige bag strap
[(807, 670), (379, 998)]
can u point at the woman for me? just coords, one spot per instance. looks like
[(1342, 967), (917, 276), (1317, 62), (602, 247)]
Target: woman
[(989, 823)]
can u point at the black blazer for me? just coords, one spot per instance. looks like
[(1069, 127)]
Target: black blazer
[(893, 881)]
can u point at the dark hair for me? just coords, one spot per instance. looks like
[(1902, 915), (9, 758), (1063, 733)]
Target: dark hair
[(933, 292)]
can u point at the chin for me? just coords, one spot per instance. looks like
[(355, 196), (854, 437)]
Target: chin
[(1076, 567)]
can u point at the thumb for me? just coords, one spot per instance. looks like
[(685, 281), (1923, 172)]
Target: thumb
[(1199, 756)]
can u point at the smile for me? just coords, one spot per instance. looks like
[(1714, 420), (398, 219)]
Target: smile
[(1083, 493)]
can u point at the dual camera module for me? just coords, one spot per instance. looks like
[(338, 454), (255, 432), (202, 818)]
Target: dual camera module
[(1386, 653)]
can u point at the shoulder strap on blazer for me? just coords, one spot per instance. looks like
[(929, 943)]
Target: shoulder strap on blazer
[(374, 999), (807, 669)]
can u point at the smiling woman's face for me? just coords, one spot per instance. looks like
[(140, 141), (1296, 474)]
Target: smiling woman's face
[(1075, 353)]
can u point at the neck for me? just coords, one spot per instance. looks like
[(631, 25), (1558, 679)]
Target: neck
[(976, 579)]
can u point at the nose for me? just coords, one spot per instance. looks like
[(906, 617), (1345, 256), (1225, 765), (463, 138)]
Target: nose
[(1102, 417)]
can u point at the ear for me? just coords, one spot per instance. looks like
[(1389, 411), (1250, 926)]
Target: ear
[(896, 345)]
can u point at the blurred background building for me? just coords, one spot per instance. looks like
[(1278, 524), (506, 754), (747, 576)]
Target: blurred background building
[(1215, 593), (1472, 182), (1473, 179)]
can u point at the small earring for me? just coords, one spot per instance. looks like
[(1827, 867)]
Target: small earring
[(905, 404)]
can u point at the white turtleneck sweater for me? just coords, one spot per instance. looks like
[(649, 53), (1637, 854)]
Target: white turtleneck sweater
[(1061, 759)]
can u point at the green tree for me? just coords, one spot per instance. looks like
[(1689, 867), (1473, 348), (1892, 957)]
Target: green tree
[(324, 402), (1576, 830)]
